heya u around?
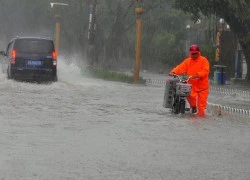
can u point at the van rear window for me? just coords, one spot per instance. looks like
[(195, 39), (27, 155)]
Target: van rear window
[(34, 46)]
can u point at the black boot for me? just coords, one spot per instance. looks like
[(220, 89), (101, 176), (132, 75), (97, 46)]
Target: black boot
[(194, 110)]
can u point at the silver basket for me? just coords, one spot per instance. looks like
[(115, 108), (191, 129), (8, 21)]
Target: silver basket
[(169, 91), (183, 89)]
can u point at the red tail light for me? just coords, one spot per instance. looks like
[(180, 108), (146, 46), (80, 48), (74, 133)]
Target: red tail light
[(54, 56), (13, 56)]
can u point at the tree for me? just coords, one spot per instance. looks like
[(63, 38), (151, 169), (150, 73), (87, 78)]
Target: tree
[(163, 29), (235, 12)]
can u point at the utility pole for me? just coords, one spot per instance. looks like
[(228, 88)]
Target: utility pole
[(92, 31), (57, 7), (139, 11), (221, 30), (238, 62), (92, 22)]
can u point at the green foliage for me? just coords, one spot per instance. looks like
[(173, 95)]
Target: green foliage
[(163, 31), (208, 50), (235, 12), (114, 76), (165, 45)]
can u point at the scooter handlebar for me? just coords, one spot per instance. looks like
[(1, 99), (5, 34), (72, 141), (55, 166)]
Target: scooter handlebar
[(177, 76)]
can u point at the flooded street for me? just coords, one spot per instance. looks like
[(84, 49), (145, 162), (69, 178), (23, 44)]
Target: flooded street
[(83, 128)]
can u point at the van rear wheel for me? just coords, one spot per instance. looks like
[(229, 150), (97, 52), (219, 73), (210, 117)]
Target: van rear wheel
[(9, 74), (54, 79)]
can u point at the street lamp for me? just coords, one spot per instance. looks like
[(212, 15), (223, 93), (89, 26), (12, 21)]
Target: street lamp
[(221, 21), (198, 23), (187, 39), (62, 4), (221, 29), (219, 75), (139, 11), (57, 7)]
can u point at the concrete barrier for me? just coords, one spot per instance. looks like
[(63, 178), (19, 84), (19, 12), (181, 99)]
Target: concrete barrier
[(219, 110)]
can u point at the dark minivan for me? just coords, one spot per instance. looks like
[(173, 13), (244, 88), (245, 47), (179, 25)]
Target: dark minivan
[(31, 58)]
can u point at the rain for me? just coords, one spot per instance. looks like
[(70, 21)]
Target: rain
[(97, 126)]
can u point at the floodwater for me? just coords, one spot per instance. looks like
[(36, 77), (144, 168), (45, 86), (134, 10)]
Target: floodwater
[(84, 128)]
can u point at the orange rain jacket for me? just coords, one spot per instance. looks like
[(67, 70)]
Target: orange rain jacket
[(200, 86), (191, 67)]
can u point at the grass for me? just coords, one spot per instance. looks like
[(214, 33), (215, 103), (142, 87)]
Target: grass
[(114, 76)]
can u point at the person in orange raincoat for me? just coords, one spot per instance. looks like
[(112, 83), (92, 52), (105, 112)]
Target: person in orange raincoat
[(198, 67)]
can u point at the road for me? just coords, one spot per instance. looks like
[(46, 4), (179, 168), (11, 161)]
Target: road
[(83, 128)]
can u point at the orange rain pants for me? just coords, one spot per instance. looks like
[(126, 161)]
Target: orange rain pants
[(200, 87), (199, 98)]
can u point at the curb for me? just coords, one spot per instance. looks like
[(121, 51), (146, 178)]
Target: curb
[(219, 110), (232, 92)]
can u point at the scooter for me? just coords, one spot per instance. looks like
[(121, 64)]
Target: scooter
[(176, 91)]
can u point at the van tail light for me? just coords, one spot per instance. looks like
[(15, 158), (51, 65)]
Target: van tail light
[(54, 56), (13, 57)]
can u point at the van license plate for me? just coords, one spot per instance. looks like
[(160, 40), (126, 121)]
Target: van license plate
[(35, 63)]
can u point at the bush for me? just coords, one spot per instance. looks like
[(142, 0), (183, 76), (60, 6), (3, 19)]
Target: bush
[(114, 76)]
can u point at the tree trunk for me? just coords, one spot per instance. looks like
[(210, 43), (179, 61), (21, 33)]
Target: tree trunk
[(228, 47), (248, 74), (246, 50), (248, 66)]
